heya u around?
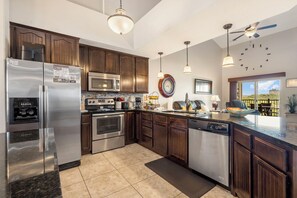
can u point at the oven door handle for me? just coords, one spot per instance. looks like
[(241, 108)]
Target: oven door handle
[(107, 114)]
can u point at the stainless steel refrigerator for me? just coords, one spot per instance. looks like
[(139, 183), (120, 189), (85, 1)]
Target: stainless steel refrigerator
[(46, 96)]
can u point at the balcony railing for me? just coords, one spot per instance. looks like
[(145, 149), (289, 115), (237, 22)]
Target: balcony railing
[(273, 110)]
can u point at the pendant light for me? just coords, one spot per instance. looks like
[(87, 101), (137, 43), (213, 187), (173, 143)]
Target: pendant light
[(160, 74), (187, 68), (119, 22), (228, 60)]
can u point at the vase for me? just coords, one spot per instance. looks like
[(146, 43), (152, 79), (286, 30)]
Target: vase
[(292, 110)]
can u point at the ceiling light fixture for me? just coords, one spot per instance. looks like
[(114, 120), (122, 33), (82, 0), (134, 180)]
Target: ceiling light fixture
[(187, 68), (228, 60), (160, 74), (119, 22)]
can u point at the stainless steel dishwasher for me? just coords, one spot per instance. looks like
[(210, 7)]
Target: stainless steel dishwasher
[(209, 144)]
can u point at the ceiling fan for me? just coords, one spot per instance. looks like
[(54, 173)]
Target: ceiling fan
[(251, 30)]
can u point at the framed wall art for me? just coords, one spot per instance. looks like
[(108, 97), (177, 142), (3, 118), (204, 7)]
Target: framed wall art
[(202, 86)]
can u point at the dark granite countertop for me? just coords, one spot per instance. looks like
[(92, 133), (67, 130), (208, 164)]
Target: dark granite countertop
[(280, 129), (19, 179)]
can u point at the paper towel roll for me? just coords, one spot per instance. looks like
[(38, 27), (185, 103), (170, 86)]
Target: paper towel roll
[(170, 103)]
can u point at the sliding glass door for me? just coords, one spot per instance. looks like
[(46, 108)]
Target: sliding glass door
[(262, 95)]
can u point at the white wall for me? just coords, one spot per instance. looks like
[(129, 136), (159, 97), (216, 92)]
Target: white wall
[(205, 60), (4, 49), (283, 48)]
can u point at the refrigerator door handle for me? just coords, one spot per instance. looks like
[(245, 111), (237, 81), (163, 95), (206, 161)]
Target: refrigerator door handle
[(46, 107), (41, 116)]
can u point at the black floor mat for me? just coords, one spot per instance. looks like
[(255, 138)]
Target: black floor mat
[(183, 179)]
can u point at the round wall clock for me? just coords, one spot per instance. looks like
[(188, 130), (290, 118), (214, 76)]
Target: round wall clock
[(259, 51), (167, 86)]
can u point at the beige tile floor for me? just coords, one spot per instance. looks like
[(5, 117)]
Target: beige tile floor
[(121, 173)]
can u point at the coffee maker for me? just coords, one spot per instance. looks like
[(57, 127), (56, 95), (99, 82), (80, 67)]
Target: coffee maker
[(138, 103)]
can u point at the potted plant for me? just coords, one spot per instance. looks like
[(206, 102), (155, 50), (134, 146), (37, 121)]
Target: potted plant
[(292, 103)]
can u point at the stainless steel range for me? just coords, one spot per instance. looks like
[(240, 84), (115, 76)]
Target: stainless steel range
[(107, 125)]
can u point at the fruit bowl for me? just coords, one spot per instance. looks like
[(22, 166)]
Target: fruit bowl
[(240, 113)]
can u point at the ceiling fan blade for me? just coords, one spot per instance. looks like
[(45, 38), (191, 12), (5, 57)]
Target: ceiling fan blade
[(238, 37), (267, 27), (255, 24), (256, 35), (237, 32)]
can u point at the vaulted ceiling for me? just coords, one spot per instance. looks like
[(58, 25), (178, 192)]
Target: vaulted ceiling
[(160, 25)]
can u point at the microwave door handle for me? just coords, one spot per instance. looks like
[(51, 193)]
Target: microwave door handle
[(40, 110)]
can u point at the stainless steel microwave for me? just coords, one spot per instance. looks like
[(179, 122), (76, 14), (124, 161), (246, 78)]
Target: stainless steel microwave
[(103, 82)]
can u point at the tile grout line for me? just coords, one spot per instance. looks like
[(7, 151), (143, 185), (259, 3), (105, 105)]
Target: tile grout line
[(132, 184), (84, 182)]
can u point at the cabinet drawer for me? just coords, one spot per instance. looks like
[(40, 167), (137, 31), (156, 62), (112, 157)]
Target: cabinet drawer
[(272, 154), (147, 116), (242, 138), (162, 119), (147, 123), (178, 122), (147, 131), (85, 118), (146, 141)]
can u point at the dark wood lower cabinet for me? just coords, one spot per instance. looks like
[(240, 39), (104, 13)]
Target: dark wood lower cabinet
[(178, 144), (86, 134), (160, 139), (268, 181), (130, 128), (242, 171), (137, 125), (262, 168)]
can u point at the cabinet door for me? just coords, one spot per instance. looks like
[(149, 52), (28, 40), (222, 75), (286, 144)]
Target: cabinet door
[(160, 139), (242, 171), (138, 125), (178, 147), (86, 134), (141, 84), (96, 60), (268, 181), (64, 50), (83, 63), (112, 63), (21, 35), (129, 127), (127, 72)]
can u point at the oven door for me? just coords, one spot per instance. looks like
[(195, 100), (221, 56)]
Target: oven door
[(107, 125), (103, 82)]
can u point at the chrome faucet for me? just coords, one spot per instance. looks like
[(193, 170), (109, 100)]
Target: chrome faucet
[(188, 102)]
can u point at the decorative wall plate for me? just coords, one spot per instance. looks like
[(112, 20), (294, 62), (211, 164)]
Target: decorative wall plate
[(167, 86)]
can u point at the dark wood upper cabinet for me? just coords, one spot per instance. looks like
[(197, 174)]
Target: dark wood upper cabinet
[(96, 60), (268, 181), (130, 128), (64, 49), (242, 171), (86, 134), (21, 35), (83, 63), (112, 63), (60, 49), (127, 72), (141, 73)]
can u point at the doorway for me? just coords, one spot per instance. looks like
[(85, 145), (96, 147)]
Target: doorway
[(262, 95)]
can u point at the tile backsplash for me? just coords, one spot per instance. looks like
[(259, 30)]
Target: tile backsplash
[(85, 95)]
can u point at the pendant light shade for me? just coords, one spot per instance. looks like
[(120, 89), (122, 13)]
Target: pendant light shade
[(119, 22), (228, 60), (187, 68), (160, 74)]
